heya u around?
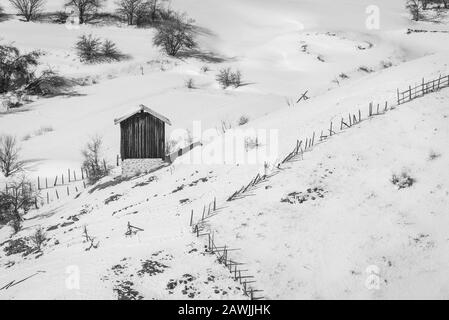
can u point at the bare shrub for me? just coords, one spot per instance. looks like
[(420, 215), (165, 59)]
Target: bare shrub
[(109, 52), (16, 68), (38, 238), (175, 35), (10, 162), (131, 9), (190, 84), (28, 9), (16, 200), (93, 164), (85, 8), (243, 120), (88, 48), (205, 69), (415, 7), (91, 49), (403, 180), (50, 83), (226, 78)]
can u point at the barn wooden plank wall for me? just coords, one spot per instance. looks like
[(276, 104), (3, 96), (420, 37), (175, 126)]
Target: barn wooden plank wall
[(142, 137)]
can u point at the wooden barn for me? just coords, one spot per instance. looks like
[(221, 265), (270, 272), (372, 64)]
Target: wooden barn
[(142, 134)]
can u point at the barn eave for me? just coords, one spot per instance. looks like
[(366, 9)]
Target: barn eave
[(145, 109)]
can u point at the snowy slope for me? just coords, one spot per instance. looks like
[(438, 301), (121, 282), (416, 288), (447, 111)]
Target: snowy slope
[(263, 40), (317, 249)]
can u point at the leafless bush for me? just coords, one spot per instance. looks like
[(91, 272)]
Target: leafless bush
[(10, 162), (38, 238), (132, 9), (16, 200), (88, 48), (227, 78), (91, 49), (175, 35), (85, 8), (16, 69), (50, 83), (190, 84), (109, 52), (205, 69), (243, 120), (415, 7), (28, 9), (93, 164)]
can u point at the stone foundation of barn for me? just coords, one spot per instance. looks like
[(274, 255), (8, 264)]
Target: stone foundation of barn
[(133, 167)]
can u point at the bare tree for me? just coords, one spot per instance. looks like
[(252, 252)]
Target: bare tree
[(131, 9), (9, 155), (416, 8), (84, 7), (93, 164), (175, 35), (16, 200), (29, 9)]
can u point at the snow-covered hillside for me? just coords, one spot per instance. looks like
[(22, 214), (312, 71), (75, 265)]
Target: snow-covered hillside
[(352, 223)]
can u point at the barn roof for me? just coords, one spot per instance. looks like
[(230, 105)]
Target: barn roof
[(143, 108)]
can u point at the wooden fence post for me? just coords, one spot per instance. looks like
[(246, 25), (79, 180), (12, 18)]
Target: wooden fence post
[(423, 87)]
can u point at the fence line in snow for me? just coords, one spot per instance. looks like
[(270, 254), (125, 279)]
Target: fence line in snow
[(308, 143), (223, 253)]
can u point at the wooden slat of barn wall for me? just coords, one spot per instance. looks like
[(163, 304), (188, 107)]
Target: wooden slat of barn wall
[(142, 136)]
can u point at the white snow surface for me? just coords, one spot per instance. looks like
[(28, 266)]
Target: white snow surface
[(318, 249)]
